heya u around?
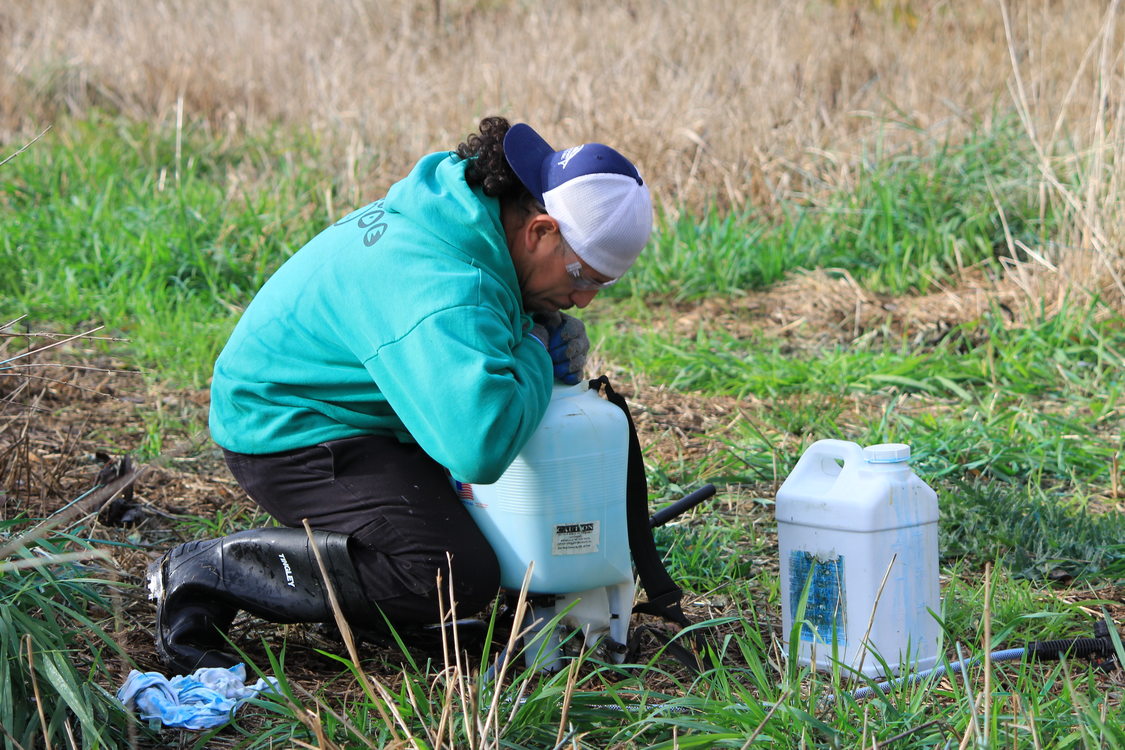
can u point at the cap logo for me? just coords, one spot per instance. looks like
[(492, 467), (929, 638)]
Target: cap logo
[(569, 154)]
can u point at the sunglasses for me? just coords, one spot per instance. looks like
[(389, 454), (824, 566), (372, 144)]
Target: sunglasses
[(578, 277)]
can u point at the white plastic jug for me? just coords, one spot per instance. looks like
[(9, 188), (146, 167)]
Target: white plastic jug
[(846, 517), (561, 503)]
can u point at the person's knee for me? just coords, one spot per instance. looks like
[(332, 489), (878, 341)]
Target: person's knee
[(471, 581), (476, 581), (417, 589)]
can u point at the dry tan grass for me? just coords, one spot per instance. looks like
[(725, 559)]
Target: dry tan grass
[(715, 97), (717, 100)]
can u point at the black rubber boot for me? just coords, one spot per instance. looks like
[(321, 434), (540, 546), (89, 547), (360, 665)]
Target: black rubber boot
[(272, 573)]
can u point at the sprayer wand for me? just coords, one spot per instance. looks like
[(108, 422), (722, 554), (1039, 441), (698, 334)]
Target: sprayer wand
[(681, 506)]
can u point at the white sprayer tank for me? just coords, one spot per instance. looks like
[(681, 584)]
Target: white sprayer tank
[(846, 518), (561, 503)]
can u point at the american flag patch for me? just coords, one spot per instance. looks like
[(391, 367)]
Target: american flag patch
[(464, 490)]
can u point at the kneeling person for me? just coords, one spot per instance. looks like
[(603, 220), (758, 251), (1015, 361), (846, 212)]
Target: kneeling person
[(414, 341)]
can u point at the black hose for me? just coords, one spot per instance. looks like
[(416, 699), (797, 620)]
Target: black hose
[(1079, 647), (684, 504)]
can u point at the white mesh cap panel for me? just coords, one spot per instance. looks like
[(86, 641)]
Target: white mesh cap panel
[(606, 218)]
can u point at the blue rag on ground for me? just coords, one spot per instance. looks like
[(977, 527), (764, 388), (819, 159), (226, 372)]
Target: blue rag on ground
[(204, 699)]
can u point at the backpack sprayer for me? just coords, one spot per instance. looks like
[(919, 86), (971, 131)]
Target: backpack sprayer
[(573, 507)]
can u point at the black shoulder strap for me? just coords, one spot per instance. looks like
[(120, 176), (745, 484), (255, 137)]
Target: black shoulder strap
[(663, 594)]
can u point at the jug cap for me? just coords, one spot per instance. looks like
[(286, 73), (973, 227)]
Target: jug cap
[(886, 453)]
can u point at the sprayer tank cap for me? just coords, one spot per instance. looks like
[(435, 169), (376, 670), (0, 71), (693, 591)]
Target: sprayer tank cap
[(886, 453)]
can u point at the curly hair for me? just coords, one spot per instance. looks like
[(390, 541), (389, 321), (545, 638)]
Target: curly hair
[(488, 166)]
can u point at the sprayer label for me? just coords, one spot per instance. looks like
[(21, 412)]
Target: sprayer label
[(824, 608), (576, 538)]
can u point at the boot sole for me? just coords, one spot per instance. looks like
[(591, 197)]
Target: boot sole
[(156, 594)]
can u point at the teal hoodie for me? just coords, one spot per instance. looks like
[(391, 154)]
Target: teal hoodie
[(404, 318)]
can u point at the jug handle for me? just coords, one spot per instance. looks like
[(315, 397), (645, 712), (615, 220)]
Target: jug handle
[(822, 455)]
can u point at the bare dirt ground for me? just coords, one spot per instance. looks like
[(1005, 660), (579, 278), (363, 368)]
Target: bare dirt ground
[(61, 427)]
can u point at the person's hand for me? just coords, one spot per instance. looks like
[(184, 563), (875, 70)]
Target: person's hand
[(564, 337)]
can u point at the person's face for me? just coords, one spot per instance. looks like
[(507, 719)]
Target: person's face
[(541, 259)]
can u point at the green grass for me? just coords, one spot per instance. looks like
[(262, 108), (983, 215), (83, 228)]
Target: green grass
[(1067, 355), (987, 399), (742, 698), (54, 646), (1033, 532), (906, 221), (105, 222), (163, 237)]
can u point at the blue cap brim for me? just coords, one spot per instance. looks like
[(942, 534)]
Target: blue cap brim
[(526, 152)]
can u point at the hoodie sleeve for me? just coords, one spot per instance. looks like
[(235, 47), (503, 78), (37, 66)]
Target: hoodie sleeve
[(466, 389)]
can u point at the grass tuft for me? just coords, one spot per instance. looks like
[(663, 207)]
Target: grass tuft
[(1035, 533), (53, 644)]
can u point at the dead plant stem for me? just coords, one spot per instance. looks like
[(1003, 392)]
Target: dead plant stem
[(35, 689), (874, 609), (346, 632), (987, 650)]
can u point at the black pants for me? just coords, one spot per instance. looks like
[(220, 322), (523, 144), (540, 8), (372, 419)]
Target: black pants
[(397, 505)]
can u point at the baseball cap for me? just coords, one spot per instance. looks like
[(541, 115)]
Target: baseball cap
[(597, 196)]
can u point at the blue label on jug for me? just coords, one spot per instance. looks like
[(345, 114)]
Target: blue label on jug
[(824, 609)]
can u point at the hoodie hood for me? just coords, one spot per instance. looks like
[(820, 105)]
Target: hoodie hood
[(462, 220)]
